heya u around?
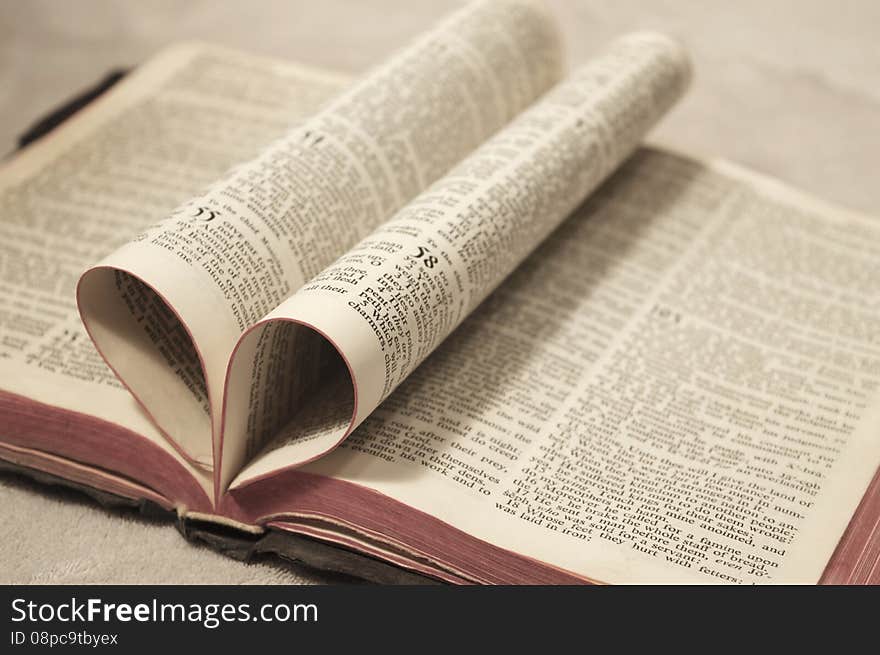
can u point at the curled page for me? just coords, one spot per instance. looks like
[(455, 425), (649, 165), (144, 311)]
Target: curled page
[(306, 376), (166, 310)]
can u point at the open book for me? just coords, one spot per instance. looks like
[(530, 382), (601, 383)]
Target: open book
[(452, 316)]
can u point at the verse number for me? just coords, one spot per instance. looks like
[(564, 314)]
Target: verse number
[(666, 314), (429, 260), (206, 214)]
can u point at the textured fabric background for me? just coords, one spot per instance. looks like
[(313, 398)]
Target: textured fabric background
[(788, 87)]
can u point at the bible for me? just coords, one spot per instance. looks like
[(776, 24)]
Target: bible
[(456, 317)]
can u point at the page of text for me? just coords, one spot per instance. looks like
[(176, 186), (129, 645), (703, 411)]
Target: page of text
[(680, 385), (169, 129)]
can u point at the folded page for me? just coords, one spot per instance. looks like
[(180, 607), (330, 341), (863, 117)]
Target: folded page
[(167, 309), (346, 340)]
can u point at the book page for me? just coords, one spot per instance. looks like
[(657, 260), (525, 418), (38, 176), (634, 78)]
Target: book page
[(166, 309), (680, 385), (388, 302), (163, 133)]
